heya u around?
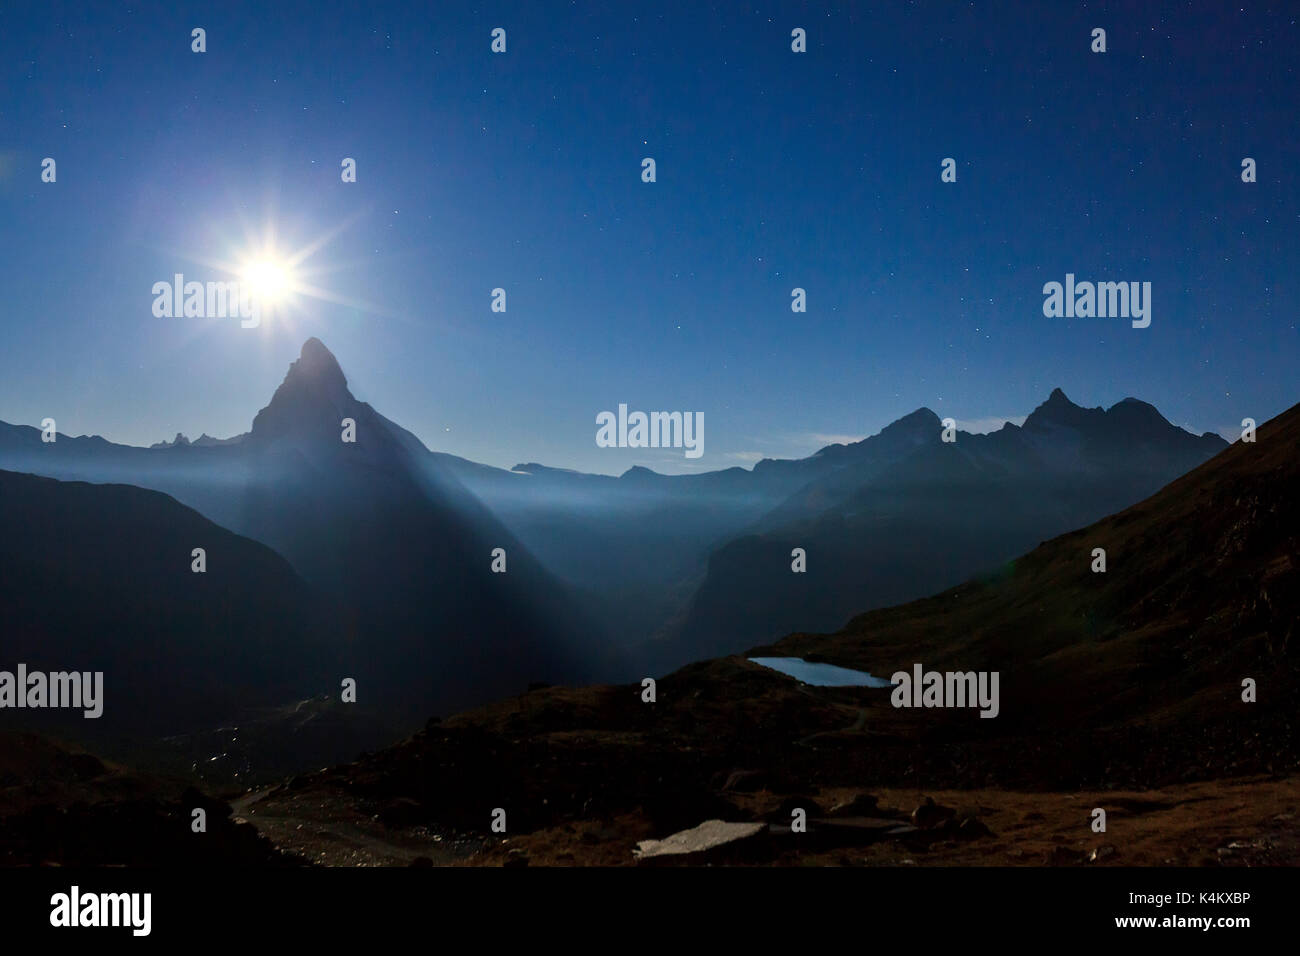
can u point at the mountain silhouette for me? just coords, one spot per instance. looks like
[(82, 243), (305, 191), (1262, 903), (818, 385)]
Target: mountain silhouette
[(310, 403), (910, 514), (99, 578), (399, 538), (396, 547)]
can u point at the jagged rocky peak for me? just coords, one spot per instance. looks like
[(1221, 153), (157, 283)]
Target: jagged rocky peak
[(1059, 410), (313, 396)]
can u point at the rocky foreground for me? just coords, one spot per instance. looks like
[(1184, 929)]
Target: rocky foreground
[(63, 806), (599, 777), (595, 776)]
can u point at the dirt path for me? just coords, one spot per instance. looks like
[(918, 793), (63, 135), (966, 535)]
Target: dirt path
[(330, 828)]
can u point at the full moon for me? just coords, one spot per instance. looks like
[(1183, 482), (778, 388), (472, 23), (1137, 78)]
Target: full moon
[(268, 279)]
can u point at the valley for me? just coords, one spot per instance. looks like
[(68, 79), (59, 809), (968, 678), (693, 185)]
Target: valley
[(1043, 682)]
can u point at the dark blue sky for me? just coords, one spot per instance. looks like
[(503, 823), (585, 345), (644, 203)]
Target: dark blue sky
[(775, 170)]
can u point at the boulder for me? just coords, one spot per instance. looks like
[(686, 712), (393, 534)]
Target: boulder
[(930, 814), (1102, 852), (699, 840)]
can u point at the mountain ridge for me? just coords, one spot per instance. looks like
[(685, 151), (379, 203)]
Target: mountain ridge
[(933, 511), (316, 360), (639, 555)]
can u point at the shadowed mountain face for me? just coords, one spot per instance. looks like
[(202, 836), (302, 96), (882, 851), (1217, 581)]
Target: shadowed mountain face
[(401, 553), (406, 548), (900, 525), (99, 578)]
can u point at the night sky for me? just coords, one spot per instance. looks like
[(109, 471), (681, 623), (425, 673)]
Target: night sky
[(775, 169)]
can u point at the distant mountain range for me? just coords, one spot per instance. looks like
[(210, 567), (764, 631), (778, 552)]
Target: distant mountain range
[(606, 577), (1140, 669), (904, 514), (203, 441)]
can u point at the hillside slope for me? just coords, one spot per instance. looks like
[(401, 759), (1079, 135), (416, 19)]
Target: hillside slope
[(1202, 590), (98, 578)]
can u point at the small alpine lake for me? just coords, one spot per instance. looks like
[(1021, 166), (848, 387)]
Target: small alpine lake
[(820, 675)]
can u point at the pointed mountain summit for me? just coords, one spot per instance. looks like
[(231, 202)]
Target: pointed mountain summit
[(912, 429), (312, 399), (1138, 413), (921, 424), (1131, 432), (1059, 411)]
